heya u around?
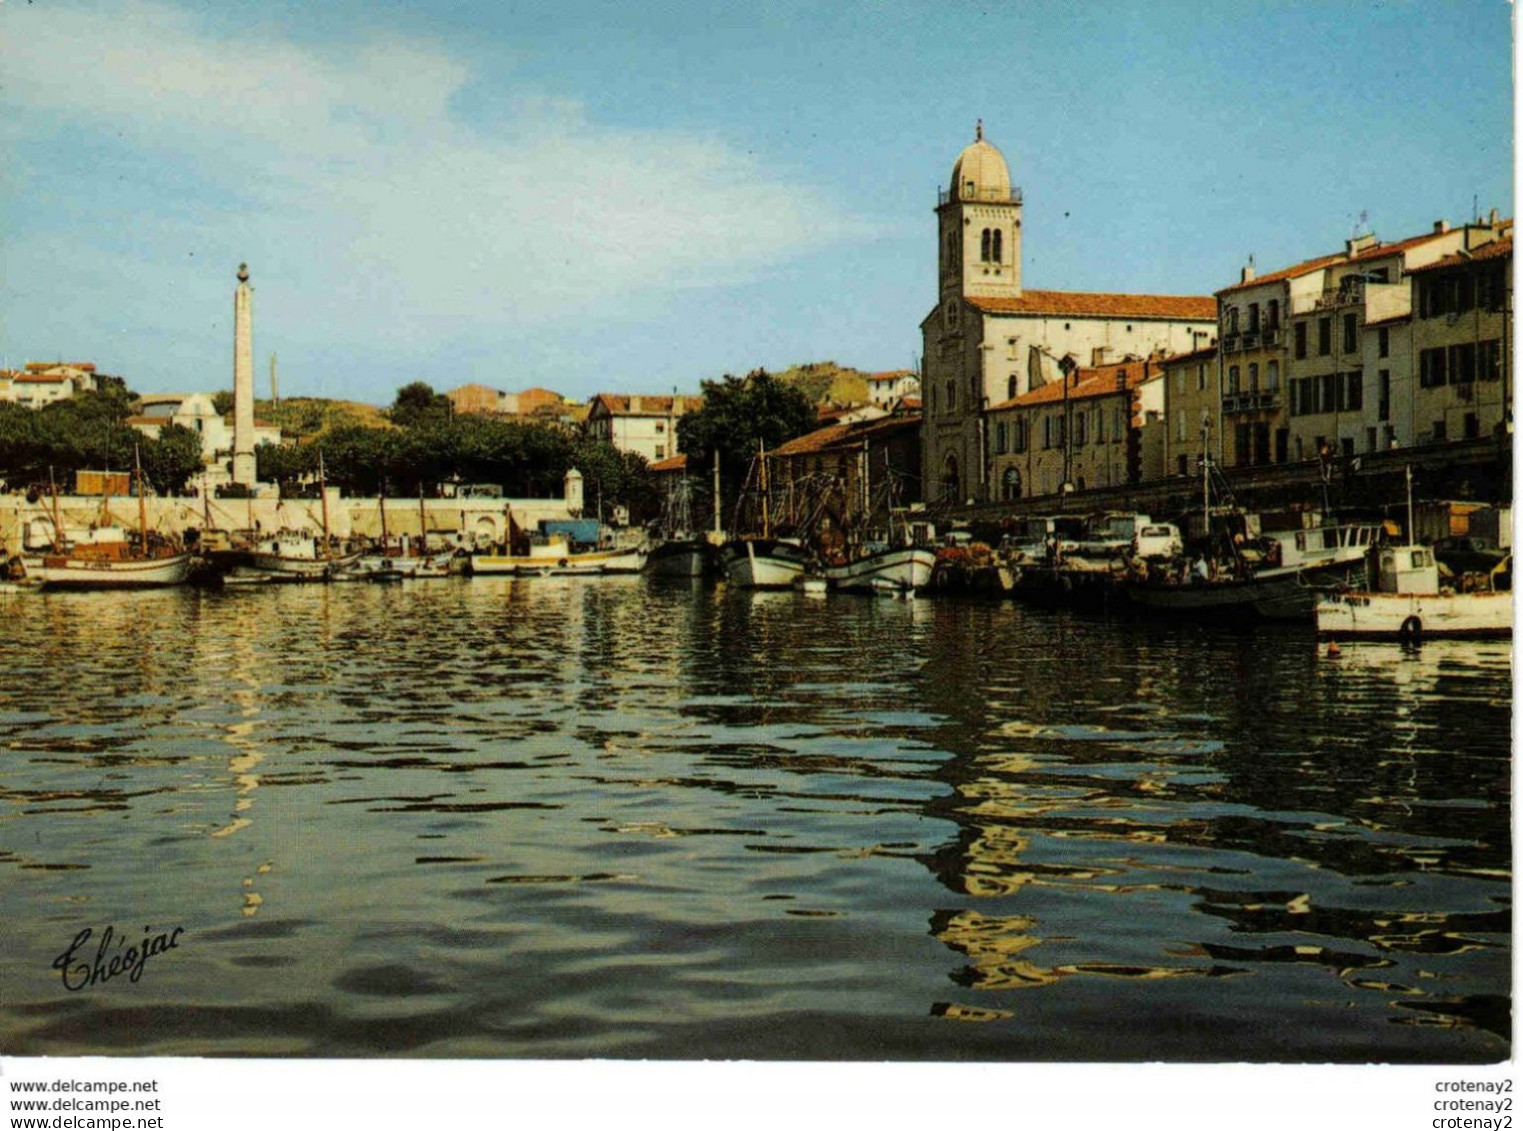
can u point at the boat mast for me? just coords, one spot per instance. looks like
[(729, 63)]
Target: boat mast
[(422, 523), (1411, 525), (717, 529), (381, 499), (766, 517), (57, 526), (142, 499), (322, 485)]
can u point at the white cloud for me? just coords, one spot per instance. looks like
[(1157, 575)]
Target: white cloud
[(343, 168)]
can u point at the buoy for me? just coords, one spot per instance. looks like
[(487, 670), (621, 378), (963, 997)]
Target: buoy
[(1333, 649)]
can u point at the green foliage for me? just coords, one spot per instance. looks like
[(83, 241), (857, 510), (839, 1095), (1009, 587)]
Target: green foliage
[(417, 405), (739, 415), (223, 402), (172, 460)]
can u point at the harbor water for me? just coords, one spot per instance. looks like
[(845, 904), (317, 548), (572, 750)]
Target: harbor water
[(621, 818)]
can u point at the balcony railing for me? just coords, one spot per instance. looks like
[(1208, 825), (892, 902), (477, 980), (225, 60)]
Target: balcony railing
[(983, 196), (1231, 343), (1261, 401)]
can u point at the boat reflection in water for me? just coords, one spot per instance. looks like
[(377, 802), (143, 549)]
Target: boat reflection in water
[(628, 818)]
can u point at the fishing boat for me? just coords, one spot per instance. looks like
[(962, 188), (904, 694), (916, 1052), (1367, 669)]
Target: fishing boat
[(678, 551), (561, 546), (293, 555), (1410, 600), (109, 558), (880, 554), (762, 561)]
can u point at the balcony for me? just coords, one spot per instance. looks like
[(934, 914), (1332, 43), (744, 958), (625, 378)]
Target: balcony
[(1261, 401), (983, 196), (1273, 337), (1251, 340), (1231, 343)]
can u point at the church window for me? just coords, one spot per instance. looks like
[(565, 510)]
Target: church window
[(951, 396), (1011, 393), (999, 249), (1001, 435), (985, 246)]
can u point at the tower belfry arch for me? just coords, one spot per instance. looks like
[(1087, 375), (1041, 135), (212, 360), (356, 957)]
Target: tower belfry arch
[(979, 216)]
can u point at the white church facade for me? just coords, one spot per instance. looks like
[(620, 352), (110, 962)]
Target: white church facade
[(990, 340)]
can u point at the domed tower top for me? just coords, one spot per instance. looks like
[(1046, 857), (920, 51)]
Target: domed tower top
[(980, 172), (979, 217)]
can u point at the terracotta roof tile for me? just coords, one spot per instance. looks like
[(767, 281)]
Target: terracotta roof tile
[(1097, 382), (41, 379), (847, 435), (1194, 356), (1078, 304), (1305, 267), (1496, 249), (617, 404), (670, 463)]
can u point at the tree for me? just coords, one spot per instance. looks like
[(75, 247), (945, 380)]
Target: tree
[(739, 415), (172, 460), (223, 402), (418, 404)]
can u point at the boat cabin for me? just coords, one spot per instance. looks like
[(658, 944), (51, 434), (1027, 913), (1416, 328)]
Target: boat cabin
[(1407, 569)]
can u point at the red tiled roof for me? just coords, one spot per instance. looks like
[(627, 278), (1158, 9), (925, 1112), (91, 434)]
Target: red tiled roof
[(1086, 383), (1496, 249), (833, 435), (1078, 304), (39, 366), (671, 463), (1306, 267), (617, 404), (891, 375), (1189, 358), (146, 420), (910, 403), (41, 379)]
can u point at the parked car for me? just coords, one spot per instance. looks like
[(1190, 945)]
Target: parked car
[(1158, 540)]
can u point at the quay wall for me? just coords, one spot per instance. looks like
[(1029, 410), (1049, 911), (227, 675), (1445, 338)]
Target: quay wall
[(1477, 470), (463, 520)]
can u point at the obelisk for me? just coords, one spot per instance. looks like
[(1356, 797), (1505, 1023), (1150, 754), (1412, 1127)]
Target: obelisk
[(243, 380)]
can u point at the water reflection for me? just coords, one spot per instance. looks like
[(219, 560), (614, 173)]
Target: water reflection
[(624, 817)]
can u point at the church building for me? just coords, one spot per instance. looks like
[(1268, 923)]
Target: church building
[(990, 340)]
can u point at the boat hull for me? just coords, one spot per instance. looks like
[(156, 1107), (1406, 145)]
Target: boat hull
[(906, 568), (680, 559), (85, 573), (539, 565), (1284, 594), (763, 564), (1415, 615)]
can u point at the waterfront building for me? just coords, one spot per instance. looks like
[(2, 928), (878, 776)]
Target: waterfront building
[(864, 457), (483, 399), (895, 385), (41, 383), (639, 423), (1191, 402), (196, 411), (1458, 348), (1249, 420), (990, 340), (1355, 306), (1077, 432)]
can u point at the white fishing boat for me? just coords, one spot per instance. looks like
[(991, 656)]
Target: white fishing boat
[(897, 567), (763, 563), (1409, 602), (553, 555), (108, 558), (811, 585)]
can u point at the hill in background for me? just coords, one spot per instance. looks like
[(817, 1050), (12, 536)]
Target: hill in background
[(300, 417), (826, 382)]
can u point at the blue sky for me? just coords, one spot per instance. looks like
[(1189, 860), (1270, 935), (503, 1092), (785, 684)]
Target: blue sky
[(633, 197)]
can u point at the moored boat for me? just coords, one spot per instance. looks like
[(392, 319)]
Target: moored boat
[(1409, 602), (763, 563), (901, 567)]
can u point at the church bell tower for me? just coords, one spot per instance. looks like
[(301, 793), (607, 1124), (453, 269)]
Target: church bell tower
[(979, 222)]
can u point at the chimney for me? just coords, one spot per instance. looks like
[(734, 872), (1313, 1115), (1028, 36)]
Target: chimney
[(1494, 218), (1440, 227), (1248, 273), (634, 402)]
